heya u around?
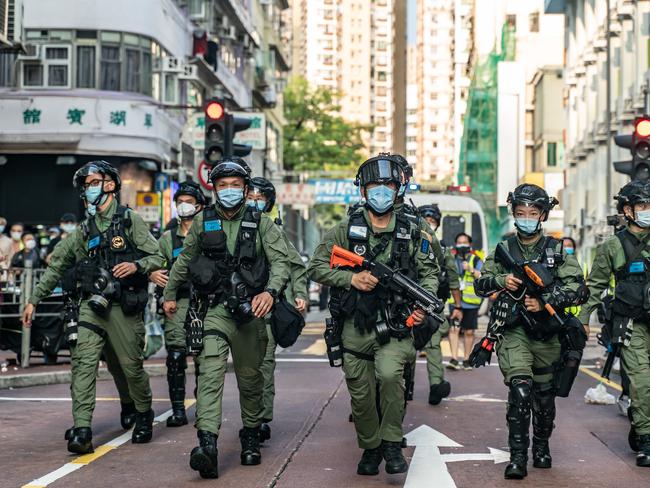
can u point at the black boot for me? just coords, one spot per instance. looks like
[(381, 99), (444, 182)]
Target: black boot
[(80, 440), (143, 430), (632, 438), (176, 365), (518, 416), (127, 415), (203, 458), (250, 446), (395, 462), (543, 416), (265, 431), (370, 461), (438, 392), (643, 457)]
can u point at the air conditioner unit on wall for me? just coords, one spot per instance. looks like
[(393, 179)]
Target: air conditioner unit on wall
[(32, 53)]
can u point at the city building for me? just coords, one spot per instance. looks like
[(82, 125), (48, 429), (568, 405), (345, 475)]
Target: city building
[(591, 181), (81, 81), (358, 48), (412, 109)]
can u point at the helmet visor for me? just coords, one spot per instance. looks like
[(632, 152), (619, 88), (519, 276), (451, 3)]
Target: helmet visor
[(380, 170)]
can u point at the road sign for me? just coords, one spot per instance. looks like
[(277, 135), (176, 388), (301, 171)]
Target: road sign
[(336, 191), (429, 468), (204, 175), (161, 182), (147, 204)]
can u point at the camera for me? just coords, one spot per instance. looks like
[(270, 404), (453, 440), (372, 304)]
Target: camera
[(105, 288), (238, 303), (333, 342)]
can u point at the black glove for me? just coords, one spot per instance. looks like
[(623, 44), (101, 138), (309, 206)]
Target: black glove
[(482, 352)]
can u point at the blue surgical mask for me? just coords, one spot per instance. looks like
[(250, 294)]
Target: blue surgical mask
[(92, 194), (230, 197), (570, 250), (643, 218), (527, 226), (380, 198), (402, 191), (2, 228), (256, 204)]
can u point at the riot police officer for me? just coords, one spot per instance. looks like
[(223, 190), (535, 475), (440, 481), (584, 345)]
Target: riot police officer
[(112, 253), (189, 200), (449, 286), (625, 256), (261, 197), (526, 336), (237, 260), (379, 233)]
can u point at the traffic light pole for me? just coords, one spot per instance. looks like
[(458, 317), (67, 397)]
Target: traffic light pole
[(608, 118)]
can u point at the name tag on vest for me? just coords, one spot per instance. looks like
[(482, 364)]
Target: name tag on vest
[(637, 267), (212, 225), (93, 243), (358, 231), (249, 225), (401, 235)]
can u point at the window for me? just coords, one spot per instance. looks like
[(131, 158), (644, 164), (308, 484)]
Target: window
[(381, 75), (86, 67), (171, 88), (32, 74), (511, 20), (132, 70), (551, 154), (57, 66), (146, 73), (110, 68), (533, 22)]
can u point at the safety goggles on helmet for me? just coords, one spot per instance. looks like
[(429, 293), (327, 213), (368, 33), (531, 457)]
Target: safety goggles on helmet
[(379, 170), (227, 169)]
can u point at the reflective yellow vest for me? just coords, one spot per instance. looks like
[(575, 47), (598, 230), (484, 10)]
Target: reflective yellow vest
[(467, 287)]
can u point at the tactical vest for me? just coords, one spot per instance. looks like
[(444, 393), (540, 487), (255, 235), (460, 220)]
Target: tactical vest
[(631, 294), (545, 254), (246, 261), (444, 290), (113, 246), (184, 290)]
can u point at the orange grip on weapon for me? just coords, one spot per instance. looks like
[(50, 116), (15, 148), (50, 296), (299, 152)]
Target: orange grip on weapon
[(410, 321), (534, 276), (549, 308), (343, 257)]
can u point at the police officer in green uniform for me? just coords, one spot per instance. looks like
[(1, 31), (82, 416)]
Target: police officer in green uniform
[(112, 252), (439, 388), (261, 197), (528, 353), (376, 232), (238, 258), (189, 200), (625, 256)]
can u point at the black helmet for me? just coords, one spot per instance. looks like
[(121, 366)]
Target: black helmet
[(231, 167), (431, 210), (404, 165), (191, 189), (634, 192), (379, 169), (266, 188), (531, 196), (96, 167)]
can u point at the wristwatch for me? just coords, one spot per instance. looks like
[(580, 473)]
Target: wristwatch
[(272, 292)]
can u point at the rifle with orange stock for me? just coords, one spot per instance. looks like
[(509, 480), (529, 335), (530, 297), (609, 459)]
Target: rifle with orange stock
[(410, 290)]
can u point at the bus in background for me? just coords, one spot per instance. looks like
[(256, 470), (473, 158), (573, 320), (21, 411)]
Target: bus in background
[(460, 213)]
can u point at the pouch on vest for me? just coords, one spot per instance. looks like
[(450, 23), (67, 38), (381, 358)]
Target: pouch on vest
[(204, 275), (133, 300), (286, 323), (628, 299)]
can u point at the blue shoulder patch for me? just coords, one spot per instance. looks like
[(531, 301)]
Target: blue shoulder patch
[(212, 225), (424, 247), (176, 252), (637, 267)]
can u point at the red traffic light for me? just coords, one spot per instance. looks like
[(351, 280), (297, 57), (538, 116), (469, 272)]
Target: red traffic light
[(642, 127), (214, 110)]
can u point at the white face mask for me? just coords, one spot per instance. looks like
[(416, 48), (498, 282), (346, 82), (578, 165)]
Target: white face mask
[(30, 244), (185, 209), (69, 228), (16, 236), (2, 228)]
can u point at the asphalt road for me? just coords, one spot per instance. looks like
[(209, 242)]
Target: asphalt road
[(313, 445)]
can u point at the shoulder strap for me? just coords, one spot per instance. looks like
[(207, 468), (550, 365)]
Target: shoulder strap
[(514, 249), (632, 246)]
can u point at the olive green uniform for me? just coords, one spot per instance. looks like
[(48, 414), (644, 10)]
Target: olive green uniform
[(174, 327), (520, 355), (247, 341), (387, 369), (124, 334), (433, 349), (610, 257), (296, 288)]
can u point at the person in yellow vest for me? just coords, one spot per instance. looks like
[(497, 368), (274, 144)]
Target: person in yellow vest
[(569, 246), (469, 269)]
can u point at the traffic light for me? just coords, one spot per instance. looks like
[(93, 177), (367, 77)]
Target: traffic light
[(216, 131), (239, 124), (639, 145)]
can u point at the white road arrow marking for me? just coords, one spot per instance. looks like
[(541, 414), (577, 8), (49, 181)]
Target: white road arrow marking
[(428, 467), (477, 397)]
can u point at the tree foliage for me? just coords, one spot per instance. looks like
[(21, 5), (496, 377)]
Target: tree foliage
[(315, 136)]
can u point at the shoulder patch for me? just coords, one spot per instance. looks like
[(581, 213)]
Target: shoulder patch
[(424, 247), (358, 231), (212, 225), (426, 235)]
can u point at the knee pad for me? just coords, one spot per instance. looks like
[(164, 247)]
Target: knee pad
[(544, 398), (176, 360), (521, 390)]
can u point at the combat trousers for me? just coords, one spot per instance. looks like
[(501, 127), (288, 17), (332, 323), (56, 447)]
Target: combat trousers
[(248, 344), (268, 371), (519, 355), (114, 368), (435, 368), (383, 366), (175, 327), (125, 336), (636, 362)]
